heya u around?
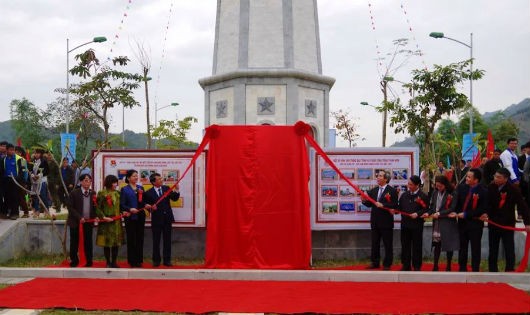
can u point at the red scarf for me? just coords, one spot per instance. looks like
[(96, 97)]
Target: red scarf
[(421, 202), (503, 199), (475, 201), (448, 201)]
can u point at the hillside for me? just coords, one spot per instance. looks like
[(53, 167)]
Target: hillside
[(519, 113)]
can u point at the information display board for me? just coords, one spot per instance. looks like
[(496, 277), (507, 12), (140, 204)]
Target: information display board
[(334, 203), (190, 208)]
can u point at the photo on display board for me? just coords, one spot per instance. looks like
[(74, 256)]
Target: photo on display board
[(144, 176), (170, 175), (329, 191), (329, 207), (347, 206), (350, 174), (365, 173), (346, 191), (362, 208), (328, 174), (402, 173)]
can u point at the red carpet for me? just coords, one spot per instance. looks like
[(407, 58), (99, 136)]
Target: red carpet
[(197, 296)]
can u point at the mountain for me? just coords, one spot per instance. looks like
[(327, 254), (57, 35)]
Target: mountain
[(519, 113), (133, 140)]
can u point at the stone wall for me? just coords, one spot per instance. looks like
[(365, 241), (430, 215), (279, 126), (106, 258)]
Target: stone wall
[(20, 237)]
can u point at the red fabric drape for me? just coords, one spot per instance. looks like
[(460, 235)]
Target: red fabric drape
[(258, 198)]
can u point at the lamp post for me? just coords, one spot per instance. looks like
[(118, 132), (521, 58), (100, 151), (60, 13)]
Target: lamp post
[(99, 39), (174, 104), (383, 140), (470, 46)]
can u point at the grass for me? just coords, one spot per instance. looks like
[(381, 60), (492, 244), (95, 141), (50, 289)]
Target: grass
[(34, 260), (41, 260)]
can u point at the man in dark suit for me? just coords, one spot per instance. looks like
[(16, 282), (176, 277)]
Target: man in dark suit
[(413, 201), (471, 203), (80, 208), (503, 197), (381, 220), (161, 218)]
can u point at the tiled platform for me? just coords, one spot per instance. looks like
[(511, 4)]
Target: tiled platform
[(12, 275)]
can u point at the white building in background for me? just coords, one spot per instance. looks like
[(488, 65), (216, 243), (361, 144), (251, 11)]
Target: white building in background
[(267, 67)]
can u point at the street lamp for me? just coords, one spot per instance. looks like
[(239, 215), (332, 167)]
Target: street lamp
[(383, 140), (470, 46), (174, 104), (99, 39), (157, 109)]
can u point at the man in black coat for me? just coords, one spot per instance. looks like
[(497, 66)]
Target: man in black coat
[(81, 207), (471, 203), (415, 202), (491, 167), (503, 197), (381, 220), (161, 218)]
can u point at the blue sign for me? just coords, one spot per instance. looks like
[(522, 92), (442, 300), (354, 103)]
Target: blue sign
[(68, 143), (469, 147)]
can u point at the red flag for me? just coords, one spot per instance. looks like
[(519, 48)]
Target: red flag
[(476, 160), (19, 142), (490, 146)]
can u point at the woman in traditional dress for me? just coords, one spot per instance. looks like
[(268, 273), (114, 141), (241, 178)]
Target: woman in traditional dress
[(445, 227), (110, 230)]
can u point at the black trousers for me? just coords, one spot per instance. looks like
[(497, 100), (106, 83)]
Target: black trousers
[(411, 247), (12, 196), (135, 240), (74, 243), (388, 237), (495, 235), (163, 230), (468, 236)]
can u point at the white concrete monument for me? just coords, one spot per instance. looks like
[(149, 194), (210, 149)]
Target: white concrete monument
[(267, 67)]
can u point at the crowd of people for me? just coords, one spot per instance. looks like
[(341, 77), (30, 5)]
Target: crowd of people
[(497, 191), (36, 182)]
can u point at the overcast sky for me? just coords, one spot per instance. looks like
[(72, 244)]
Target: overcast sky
[(33, 50)]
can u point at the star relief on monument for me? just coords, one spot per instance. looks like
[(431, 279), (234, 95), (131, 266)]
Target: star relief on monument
[(265, 105), (310, 108), (221, 109)]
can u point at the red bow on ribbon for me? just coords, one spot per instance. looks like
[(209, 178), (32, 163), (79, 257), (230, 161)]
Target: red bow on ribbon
[(421, 202), (448, 201), (109, 200), (387, 197), (475, 201), (140, 195), (503, 199)]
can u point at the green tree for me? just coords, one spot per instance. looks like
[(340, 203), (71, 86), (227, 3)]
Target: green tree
[(346, 126), (435, 96), (27, 121), (502, 129), (106, 88), (172, 134)]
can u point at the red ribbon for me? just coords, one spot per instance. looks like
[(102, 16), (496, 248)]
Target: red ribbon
[(503, 199), (81, 245)]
